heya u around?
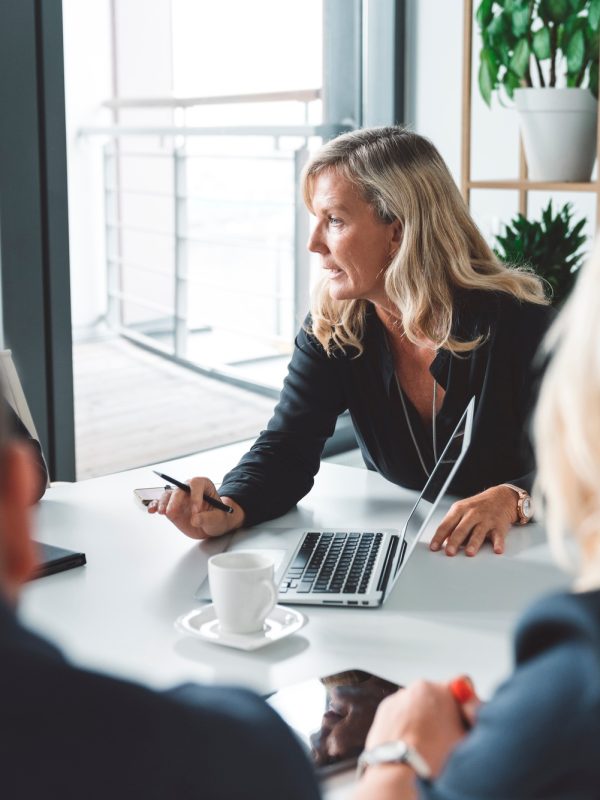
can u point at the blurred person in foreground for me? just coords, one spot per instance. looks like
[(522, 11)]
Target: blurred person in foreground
[(18, 430), (71, 733), (538, 737), (413, 315)]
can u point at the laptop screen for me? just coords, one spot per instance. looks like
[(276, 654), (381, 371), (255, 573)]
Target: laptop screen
[(436, 487)]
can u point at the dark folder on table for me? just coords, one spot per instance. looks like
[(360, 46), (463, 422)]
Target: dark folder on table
[(53, 559)]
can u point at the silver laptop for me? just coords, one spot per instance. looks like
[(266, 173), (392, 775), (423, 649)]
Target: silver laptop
[(360, 567)]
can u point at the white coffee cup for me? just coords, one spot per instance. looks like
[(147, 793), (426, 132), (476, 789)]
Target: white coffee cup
[(243, 590)]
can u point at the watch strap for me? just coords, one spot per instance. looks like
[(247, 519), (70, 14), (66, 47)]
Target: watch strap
[(522, 495), (397, 752), (521, 492)]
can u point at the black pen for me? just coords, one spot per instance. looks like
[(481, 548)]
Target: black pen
[(186, 488)]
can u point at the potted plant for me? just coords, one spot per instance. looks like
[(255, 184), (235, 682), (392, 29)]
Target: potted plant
[(544, 55), (551, 247)]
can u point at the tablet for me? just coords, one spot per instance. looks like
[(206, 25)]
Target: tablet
[(53, 559), (332, 715)]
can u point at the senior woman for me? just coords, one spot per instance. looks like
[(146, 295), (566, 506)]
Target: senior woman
[(413, 315), (538, 736)]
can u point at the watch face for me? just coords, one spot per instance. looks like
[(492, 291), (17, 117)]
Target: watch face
[(526, 507)]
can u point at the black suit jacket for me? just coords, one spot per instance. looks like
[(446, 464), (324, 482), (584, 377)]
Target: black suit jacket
[(69, 733), (279, 469)]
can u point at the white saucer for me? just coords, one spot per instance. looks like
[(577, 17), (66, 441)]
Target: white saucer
[(203, 622)]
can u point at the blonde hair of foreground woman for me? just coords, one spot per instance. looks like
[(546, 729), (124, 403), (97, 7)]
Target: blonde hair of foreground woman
[(567, 428), (403, 176)]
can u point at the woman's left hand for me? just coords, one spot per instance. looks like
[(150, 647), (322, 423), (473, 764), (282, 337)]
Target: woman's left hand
[(469, 522)]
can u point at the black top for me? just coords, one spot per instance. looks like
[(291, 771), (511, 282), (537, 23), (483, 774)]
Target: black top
[(280, 467), (68, 734), (538, 736)]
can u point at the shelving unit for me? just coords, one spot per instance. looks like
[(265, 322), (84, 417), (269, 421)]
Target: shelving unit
[(521, 184)]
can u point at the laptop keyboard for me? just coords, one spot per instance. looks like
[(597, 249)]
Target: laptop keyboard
[(333, 563)]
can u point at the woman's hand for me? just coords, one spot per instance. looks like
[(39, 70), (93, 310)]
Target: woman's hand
[(469, 522), (429, 718), (193, 515), (424, 715)]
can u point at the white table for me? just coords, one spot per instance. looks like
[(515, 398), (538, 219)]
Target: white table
[(445, 617)]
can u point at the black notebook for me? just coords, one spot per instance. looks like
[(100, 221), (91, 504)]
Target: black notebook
[(56, 559)]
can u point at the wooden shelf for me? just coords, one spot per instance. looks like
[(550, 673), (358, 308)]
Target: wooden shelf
[(521, 184), (535, 186)]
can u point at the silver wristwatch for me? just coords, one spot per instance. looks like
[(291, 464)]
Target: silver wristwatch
[(397, 752)]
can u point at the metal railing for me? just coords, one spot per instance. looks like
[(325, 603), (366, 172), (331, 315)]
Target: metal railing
[(304, 96), (178, 147)]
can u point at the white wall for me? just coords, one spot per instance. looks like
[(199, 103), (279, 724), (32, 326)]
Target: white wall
[(144, 58)]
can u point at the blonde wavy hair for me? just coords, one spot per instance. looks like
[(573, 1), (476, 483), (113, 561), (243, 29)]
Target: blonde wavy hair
[(567, 425), (402, 176)]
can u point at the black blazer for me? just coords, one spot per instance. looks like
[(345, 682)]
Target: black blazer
[(280, 468), (69, 733)]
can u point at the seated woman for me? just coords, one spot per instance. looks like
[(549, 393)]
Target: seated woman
[(413, 316), (538, 736)]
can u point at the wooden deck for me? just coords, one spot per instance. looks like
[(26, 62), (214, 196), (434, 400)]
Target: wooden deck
[(134, 408)]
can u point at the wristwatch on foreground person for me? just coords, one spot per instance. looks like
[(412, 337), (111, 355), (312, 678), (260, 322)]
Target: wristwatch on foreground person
[(397, 752), (524, 504)]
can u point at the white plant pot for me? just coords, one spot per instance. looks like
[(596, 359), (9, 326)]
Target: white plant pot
[(559, 132)]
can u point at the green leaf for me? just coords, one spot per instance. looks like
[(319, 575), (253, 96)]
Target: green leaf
[(561, 37), (490, 56), (593, 42), (594, 15), (503, 53), (551, 246), (543, 11), (487, 80), (484, 13), (558, 9), (520, 20), (555, 11), (499, 29), (510, 81), (576, 52), (568, 30), (541, 43), (519, 62)]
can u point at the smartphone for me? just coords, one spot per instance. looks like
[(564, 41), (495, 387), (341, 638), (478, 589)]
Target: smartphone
[(146, 496), (332, 715)]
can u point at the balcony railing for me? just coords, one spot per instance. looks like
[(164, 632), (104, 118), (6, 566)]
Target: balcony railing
[(205, 233)]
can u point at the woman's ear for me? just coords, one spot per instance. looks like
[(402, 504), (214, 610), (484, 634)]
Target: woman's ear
[(17, 488), (396, 239)]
